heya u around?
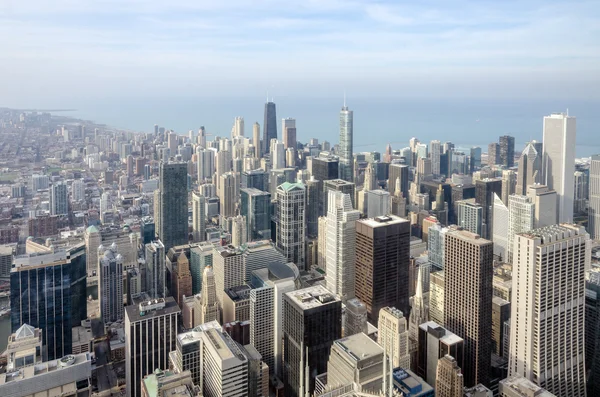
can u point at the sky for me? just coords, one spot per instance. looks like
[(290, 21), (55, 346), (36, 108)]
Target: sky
[(61, 51)]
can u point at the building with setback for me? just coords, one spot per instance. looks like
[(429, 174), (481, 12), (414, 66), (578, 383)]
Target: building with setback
[(382, 264)]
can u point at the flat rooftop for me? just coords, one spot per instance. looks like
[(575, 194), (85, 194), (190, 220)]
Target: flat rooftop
[(382, 221), (312, 297), (466, 235), (448, 338), (524, 387), (65, 363), (359, 346), (133, 311)]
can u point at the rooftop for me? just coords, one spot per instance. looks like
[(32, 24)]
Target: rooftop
[(359, 346), (154, 308), (312, 297), (466, 235), (553, 233), (381, 221), (521, 386), (65, 363), (446, 337)]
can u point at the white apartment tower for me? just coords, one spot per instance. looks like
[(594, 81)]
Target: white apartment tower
[(558, 161), (199, 216), (341, 240), (594, 201), (393, 336), (521, 218), (435, 151), (548, 307)]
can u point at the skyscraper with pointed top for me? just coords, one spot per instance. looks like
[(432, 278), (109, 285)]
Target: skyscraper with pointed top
[(270, 126), (346, 144)]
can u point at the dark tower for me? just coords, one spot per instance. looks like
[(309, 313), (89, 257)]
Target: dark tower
[(270, 126)]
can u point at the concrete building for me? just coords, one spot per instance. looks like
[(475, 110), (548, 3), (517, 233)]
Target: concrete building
[(592, 331), (518, 386), (393, 336), (500, 228), (378, 203), (59, 202), (290, 222), (436, 297), (229, 271), (6, 260), (521, 219), (110, 284), (199, 216), (312, 320), (166, 383), (449, 379), (500, 315), (68, 376), (229, 191), (530, 169), (545, 202), (150, 334), (550, 290), (24, 348), (468, 276), (470, 215), (435, 342), (382, 264), (341, 239), (236, 304), (209, 306), (594, 200), (356, 359)]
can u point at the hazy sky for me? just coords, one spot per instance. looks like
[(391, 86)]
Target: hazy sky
[(57, 51)]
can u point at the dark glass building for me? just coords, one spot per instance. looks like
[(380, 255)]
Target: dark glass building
[(173, 206), (270, 126), (312, 319), (507, 151), (148, 230), (398, 171), (256, 207), (41, 296), (78, 271), (382, 264), (257, 179), (484, 195)]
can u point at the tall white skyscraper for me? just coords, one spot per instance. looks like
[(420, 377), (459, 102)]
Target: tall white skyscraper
[(435, 151), (238, 127), (291, 222), (209, 307), (521, 219), (548, 307), (393, 336), (199, 216), (277, 155), (206, 163), (78, 190), (110, 284), (341, 240), (500, 228), (594, 201), (558, 161), (59, 204), (346, 166)]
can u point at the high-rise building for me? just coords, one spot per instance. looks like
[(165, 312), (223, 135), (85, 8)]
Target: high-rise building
[(518, 386), (313, 200), (346, 144), (256, 140), (594, 200), (277, 155), (209, 307), (581, 196), (484, 195), (592, 331), (155, 269), (173, 207), (199, 216), (545, 202), (229, 194), (182, 279), (378, 203), (509, 182), (507, 151), (168, 383), (59, 203), (500, 315), (238, 127), (206, 163), (558, 161), (269, 126), (436, 296), (78, 190), (150, 335), (256, 207), (382, 264), (549, 294), (239, 233), (398, 171), (290, 222), (357, 360), (339, 185), (259, 254), (529, 171), (257, 179), (289, 136), (6, 260), (449, 379), (435, 151), (341, 238), (436, 342), (468, 272), (312, 321), (475, 155), (393, 336), (521, 219), (470, 215), (110, 284), (493, 154), (228, 265), (500, 228)]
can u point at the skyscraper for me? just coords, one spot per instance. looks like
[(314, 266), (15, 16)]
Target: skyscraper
[(592, 331), (209, 307), (269, 127), (256, 207), (493, 154), (341, 239), (521, 219), (436, 342), (435, 151), (393, 336), (229, 194), (150, 335), (59, 203), (449, 379), (199, 216), (228, 265), (173, 215), (206, 163), (484, 195), (594, 201), (291, 222), (398, 171), (530, 169), (312, 321), (289, 137), (40, 295), (256, 140), (558, 161), (154, 269), (548, 303), (382, 264), (470, 215), (110, 284), (507, 151), (346, 144), (468, 276)]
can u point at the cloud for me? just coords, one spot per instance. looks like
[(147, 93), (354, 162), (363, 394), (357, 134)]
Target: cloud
[(233, 47)]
